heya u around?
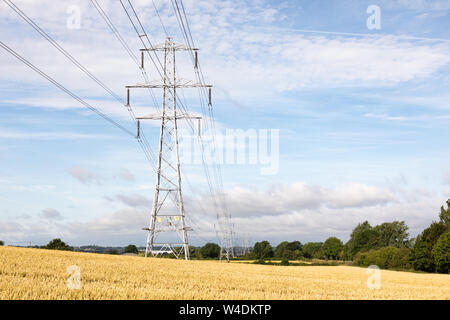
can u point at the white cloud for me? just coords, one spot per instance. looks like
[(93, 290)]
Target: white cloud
[(282, 212), (134, 200), (293, 62), (237, 55), (121, 222), (429, 5), (419, 118), (285, 199), (51, 213), (358, 196), (83, 175), (446, 177), (125, 175), (304, 212), (49, 135)]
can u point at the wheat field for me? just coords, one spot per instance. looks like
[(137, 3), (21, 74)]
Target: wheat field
[(42, 274)]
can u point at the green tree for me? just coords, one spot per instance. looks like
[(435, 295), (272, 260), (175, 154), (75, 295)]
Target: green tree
[(421, 256), (263, 250), (332, 248), (131, 248), (297, 254), (444, 216), (294, 246), (293, 250), (288, 254), (194, 253), (279, 250), (284, 262), (385, 258), (346, 253), (357, 240), (210, 251), (312, 249), (289, 250), (363, 238), (393, 234), (2, 243), (57, 244), (441, 253)]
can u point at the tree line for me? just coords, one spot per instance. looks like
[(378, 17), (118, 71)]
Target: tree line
[(386, 245), (208, 251)]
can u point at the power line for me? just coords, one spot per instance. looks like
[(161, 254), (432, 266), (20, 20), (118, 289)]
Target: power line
[(144, 144), (61, 49), (115, 31), (142, 34), (190, 43), (122, 41), (168, 182), (185, 29), (64, 89), (126, 47), (184, 26), (142, 139), (160, 20)]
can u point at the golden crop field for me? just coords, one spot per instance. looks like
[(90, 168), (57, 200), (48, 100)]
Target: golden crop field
[(42, 274)]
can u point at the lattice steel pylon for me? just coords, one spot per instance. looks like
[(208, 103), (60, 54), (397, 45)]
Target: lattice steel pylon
[(168, 217), (226, 237)]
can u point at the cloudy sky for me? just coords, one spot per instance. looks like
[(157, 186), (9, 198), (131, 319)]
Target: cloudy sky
[(362, 116)]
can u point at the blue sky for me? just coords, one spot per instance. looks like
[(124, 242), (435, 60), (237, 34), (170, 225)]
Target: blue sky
[(362, 114)]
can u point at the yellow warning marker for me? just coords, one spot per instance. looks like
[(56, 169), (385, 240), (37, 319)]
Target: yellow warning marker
[(176, 218), (159, 220)]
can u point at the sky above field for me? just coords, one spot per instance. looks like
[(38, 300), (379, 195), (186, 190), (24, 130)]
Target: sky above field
[(363, 116)]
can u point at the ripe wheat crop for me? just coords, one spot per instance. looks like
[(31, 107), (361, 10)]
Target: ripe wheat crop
[(42, 274)]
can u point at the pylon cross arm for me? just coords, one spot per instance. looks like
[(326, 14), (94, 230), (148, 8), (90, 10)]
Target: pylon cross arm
[(162, 85), (178, 117), (174, 46)]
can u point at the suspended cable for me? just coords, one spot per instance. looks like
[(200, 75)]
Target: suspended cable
[(185, 29), (62, 88), (61, 49), (141, 136), (143, 35), (160, 20), (190, 43), (144, 145)]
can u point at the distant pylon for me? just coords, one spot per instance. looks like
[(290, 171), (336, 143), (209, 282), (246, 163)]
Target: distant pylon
[(246, 244), (227, 234), (168, 217)]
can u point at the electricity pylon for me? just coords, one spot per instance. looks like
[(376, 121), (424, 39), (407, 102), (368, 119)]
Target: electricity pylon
[(168, 217), (246, 244), (227, 249), (226, 237)]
